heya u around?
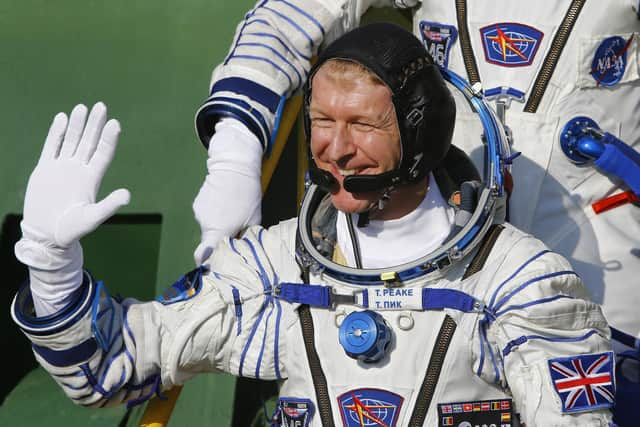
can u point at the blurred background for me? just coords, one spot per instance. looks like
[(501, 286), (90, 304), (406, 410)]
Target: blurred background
[(150, 63)]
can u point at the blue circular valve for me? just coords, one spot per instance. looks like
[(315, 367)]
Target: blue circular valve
[(575, 141), (365, 336)]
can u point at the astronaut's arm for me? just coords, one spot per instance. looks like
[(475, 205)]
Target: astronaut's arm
[(103, 351), (269, 60), (551, 346)]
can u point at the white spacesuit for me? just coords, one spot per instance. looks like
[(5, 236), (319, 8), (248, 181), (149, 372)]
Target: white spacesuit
[(542, 64), (489, 327)]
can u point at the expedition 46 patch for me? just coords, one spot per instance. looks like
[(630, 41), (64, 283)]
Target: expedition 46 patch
[(292, 412), (438, 39), (478, 413)]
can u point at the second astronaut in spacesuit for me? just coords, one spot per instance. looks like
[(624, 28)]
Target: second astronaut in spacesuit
[(398, 297)]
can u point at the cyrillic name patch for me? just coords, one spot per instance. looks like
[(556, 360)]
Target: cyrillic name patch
[(369, 407), (510, 44), (584, 382), (438, 39)]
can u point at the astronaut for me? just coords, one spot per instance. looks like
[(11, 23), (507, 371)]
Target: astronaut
[(541, 66), (432, 311)]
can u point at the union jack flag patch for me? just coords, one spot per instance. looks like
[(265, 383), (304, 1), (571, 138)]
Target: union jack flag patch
[(584, 382)]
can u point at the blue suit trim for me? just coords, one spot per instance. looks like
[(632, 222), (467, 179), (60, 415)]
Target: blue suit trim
[(276, 341), (264, 338), (531, 303), (523, 339), (305, 14), (251, 335), (291, 50), (69, 357), (514, 274), (293, 24), (529, 282), (24, 313), (258, 93)]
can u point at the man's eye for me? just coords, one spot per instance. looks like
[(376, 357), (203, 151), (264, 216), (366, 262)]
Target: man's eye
[(363, 127), (321, 122)]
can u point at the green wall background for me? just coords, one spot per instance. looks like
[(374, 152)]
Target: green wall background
[(150, 63)]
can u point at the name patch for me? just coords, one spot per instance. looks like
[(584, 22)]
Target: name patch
[(383, 298)]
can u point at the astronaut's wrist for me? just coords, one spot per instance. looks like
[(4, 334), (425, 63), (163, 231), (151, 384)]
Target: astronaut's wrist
[(254, 105), (77, 306), (233, 148), (37, 252)]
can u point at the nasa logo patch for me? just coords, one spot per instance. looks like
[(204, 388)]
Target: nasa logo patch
[(510, 44), (292, 412), (610, 60), (369, 407), (438, 39)]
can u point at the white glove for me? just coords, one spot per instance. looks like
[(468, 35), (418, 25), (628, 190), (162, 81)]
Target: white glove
[(230, 197), (60, 203)]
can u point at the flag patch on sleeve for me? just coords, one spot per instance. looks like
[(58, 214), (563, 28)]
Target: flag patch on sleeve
[(584, 382)]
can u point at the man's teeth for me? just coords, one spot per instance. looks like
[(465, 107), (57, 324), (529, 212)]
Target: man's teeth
[(347, 172)]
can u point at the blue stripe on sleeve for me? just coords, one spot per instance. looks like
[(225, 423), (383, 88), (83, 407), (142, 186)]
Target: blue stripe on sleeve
[(305, 14), (263, 274), (238, 305), (518, 270), (244, 25), (279, 55), (529, 282), (529, 304), (264, 340), (250, 89), (293, 24), (521, 340), (228, 107), (68, 357), (107, 367), (261, 59), (276, 341), (292, 50), (250, 339)]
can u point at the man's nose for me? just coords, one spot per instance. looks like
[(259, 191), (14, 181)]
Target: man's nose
[(342, 146)]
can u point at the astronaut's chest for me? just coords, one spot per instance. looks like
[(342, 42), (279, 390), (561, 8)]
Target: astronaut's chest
[(425, 372), (509, 46)]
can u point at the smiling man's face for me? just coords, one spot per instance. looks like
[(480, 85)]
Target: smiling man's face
[(354, 130)]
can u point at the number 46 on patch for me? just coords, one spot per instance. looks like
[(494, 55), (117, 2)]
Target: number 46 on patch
[(438, 39)]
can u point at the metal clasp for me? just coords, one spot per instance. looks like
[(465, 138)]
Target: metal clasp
[(391, 279), (349, 299)]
